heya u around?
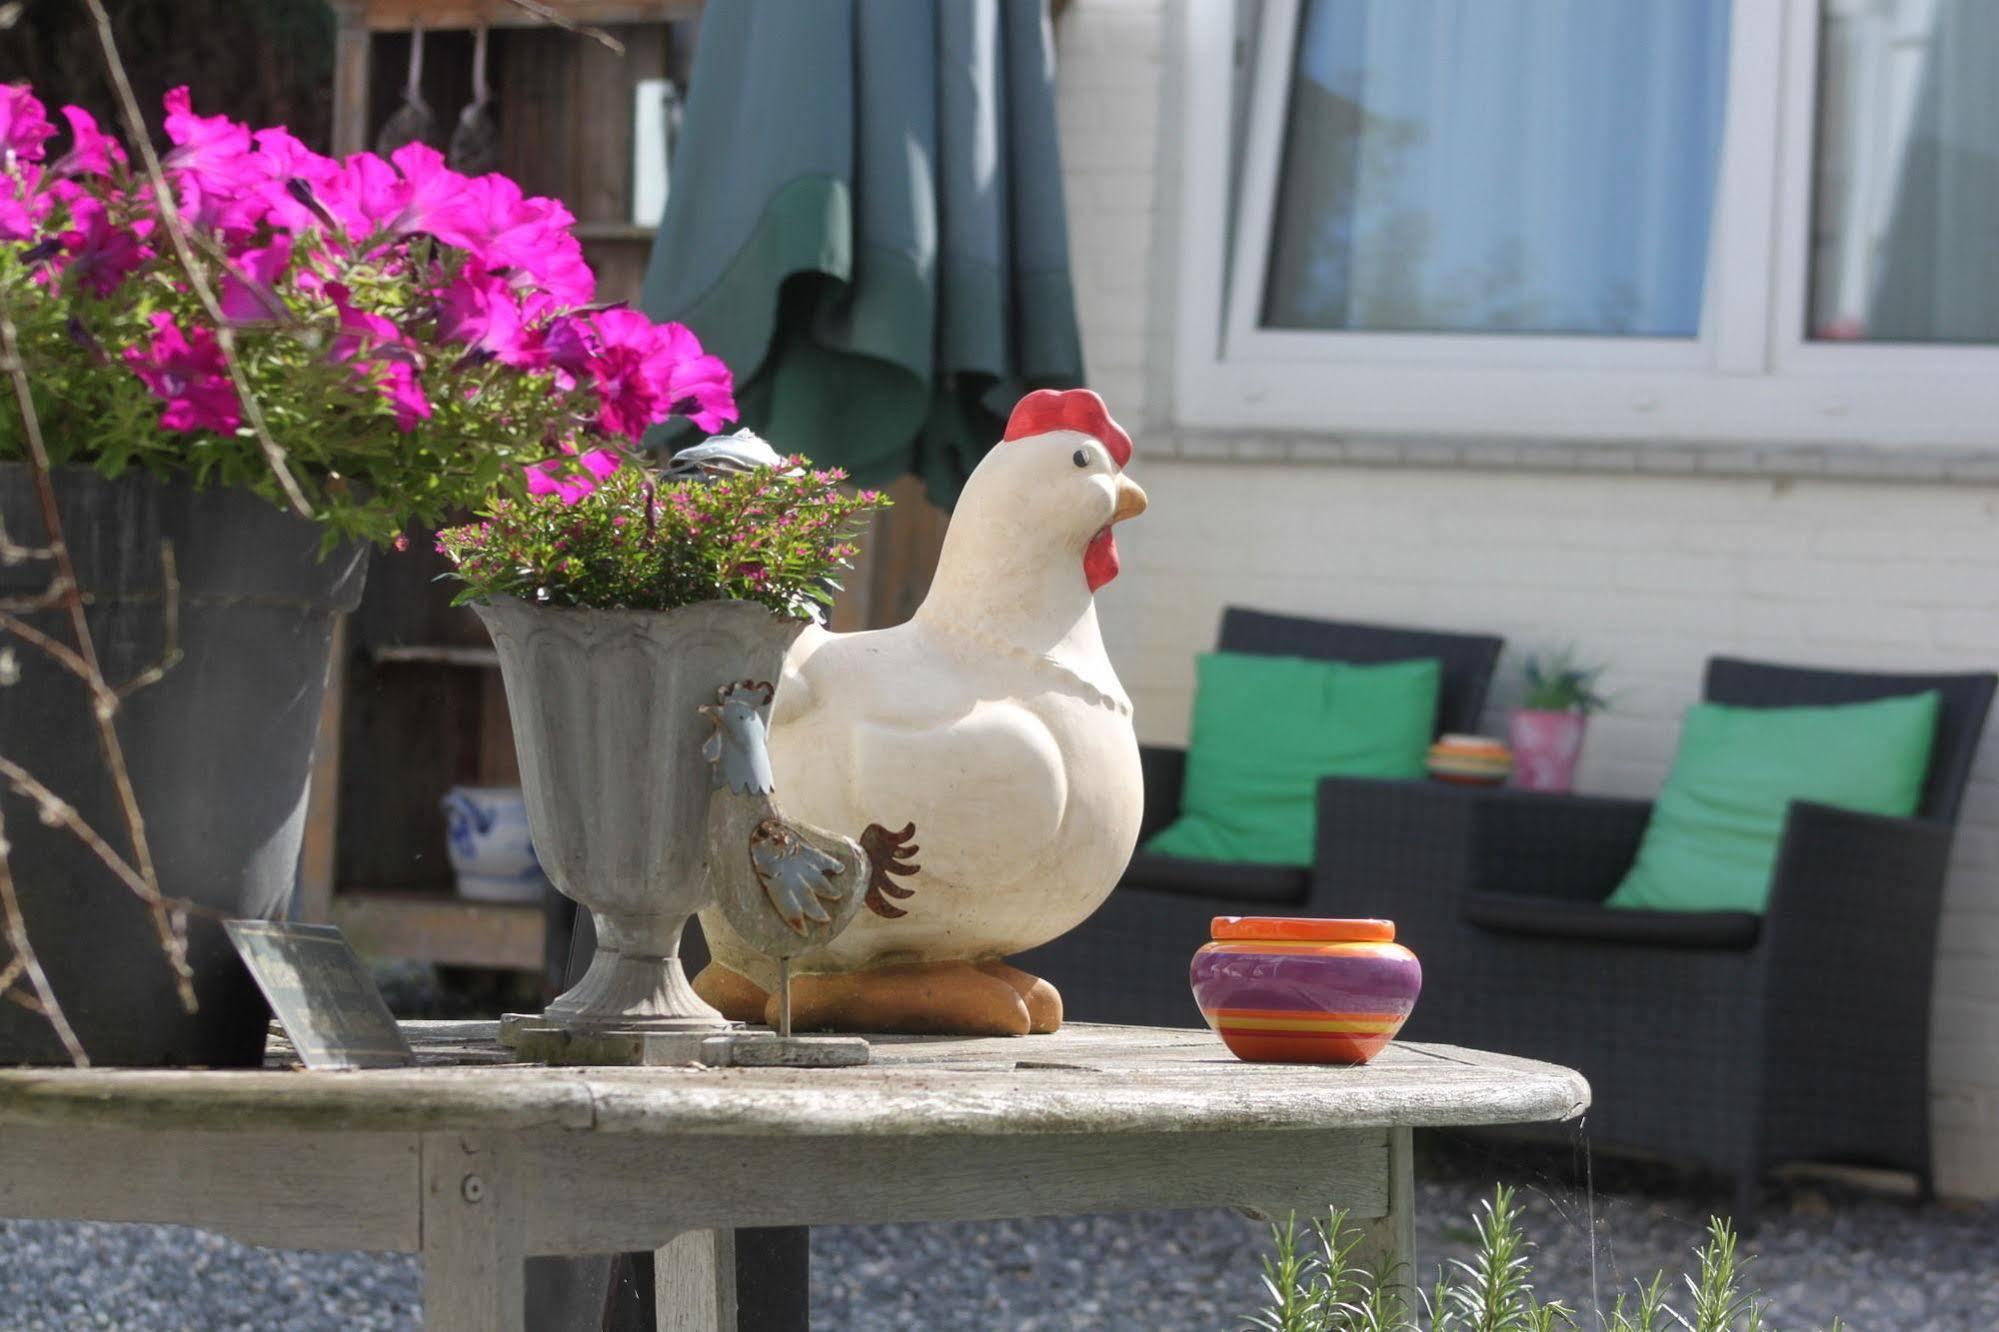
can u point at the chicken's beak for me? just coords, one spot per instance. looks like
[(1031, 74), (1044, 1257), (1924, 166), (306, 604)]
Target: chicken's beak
[(1130, 499)]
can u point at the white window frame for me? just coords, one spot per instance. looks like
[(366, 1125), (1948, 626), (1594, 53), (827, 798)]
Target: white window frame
[(1750, 378)]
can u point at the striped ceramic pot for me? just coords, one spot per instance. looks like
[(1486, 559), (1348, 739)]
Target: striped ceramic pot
[(1298, 991)]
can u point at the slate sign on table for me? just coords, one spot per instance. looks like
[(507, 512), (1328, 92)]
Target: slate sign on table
[(325, 1000)]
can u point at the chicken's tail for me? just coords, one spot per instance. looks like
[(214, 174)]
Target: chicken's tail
[(888, 854)]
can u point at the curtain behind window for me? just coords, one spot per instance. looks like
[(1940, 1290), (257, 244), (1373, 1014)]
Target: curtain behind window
[(1543, 166)]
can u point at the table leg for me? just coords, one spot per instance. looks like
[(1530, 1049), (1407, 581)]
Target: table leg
[(1387, 1243), (694, 1282), (474, 1255)]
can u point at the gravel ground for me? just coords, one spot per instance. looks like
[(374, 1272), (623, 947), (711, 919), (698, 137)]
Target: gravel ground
[(55, 1278), (1883, 1263)]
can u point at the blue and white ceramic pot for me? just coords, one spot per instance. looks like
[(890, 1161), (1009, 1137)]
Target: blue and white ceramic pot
[(492, 849)]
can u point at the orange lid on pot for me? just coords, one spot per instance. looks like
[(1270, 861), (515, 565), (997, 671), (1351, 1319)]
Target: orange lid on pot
[(1302, 929)]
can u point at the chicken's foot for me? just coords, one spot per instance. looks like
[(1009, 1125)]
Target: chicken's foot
[(1043, 1000), (924, 998)]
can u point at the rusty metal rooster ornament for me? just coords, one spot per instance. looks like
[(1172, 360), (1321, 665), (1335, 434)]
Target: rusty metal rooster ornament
[(784, 886)]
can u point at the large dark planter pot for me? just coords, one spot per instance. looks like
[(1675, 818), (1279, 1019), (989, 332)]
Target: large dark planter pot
[(220, 752)]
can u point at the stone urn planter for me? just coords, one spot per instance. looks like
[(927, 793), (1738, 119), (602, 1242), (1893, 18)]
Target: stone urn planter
[(607, 723), (219, 748)]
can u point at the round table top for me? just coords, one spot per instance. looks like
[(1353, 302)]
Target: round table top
[(1085, 1078)]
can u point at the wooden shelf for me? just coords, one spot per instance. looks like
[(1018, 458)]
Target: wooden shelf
[(438, 654), (443, 15), (614, 231), (424, 927)]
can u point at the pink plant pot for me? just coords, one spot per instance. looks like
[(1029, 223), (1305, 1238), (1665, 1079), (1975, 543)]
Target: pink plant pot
[(1546, 746)]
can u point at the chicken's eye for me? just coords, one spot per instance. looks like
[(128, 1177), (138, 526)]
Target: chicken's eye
[(1082, 457)]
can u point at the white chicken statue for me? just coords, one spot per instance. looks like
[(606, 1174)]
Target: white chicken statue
[(993, 721)]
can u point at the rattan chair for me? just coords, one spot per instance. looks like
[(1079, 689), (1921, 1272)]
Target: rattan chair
[(1728, 1040), (1128, 962)]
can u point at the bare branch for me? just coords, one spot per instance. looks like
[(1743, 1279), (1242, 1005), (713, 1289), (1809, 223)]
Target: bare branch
[(15, 926), (11, 553), (170, 221), (61, 653), (59, 813), (554, 19), (34, 1005), (169, 913), (109, 748), (55, 594), (170, 653)]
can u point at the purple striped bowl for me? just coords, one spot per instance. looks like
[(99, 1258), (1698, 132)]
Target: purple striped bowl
[(1292, 990)]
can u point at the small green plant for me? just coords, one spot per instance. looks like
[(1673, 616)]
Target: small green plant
[(1556, 682), (1319, 1286), (1326, 1291), (632, 541)]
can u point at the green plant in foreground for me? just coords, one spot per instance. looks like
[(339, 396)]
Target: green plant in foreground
[(1494, 1292), (1315, 1292), (1328, 1291), (1558, 683)]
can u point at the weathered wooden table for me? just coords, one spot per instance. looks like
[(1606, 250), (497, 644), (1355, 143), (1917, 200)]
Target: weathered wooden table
[(476, 1163)]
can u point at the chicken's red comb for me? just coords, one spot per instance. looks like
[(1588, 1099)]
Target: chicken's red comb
[(1068, 409)]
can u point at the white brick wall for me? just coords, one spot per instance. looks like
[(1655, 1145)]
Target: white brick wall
[(1652, 573)]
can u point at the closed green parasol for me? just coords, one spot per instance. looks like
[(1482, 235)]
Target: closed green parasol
[(866, 223)]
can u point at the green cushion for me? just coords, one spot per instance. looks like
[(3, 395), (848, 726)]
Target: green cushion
[(1712, 841), (1267, 728)]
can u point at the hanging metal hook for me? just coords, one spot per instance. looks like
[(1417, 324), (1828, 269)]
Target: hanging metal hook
[(412, 121), (475, 140)]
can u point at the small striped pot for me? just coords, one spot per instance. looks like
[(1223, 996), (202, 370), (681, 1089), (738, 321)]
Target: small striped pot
[(1296, 991)]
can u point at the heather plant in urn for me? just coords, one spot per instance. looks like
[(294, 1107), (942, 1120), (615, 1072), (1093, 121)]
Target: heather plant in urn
[(624, 603), (236, 364)]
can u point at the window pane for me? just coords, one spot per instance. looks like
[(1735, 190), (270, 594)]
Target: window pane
[(1529, 166), (1906, 242)]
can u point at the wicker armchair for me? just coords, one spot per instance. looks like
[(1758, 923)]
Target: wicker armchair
[(1128, 962), (1729, 1040)]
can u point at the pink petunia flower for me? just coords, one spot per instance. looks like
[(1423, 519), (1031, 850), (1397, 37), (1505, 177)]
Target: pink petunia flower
[(358, 328), (92, 152), (202, 144), (189, 375), (249, 294), (563, 344), (24, 125), (363, 192), (600, 463), (553, 476), (286, 157), (99, 254), (627, 391), (290, 174), (694, 385), (482, 312), (432, 197), (23, 204), (399, 384), (526, 238), (216, 175), (379, 354)]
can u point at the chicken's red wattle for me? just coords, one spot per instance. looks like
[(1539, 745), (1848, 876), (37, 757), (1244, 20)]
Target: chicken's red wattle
[(1100, 559)]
